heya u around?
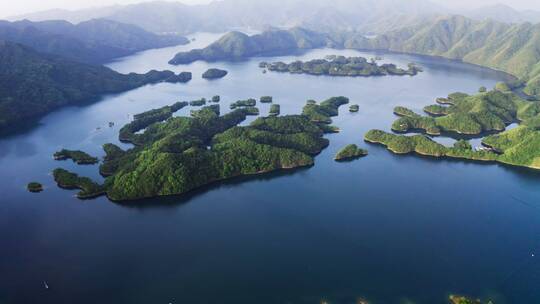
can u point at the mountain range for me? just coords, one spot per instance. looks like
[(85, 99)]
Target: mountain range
[(320, 15)]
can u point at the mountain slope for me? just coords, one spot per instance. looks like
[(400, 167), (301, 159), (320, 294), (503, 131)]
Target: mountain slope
[(512, 48), (236, 45), (33, 84), (94, 41)]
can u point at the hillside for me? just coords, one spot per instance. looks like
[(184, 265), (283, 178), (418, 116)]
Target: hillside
[(236, 45), (33, 84), (505, 47), (94, 41)]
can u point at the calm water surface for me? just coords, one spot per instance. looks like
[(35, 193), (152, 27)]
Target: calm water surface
[(387, 228)]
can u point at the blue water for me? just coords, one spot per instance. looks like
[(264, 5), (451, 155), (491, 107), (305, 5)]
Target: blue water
[(386, 228)]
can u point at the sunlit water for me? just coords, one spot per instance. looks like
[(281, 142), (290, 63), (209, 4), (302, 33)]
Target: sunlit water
[(387, 228)]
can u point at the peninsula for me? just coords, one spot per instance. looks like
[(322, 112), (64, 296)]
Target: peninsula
[(34, 187)]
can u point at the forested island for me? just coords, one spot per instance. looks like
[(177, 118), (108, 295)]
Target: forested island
[(251, 102), (174, 155), (465, 114), (67, 180), (95, 41), (341, 66), (79, 157), (214, 74), (350, 152), (34, 187), (491, 48)]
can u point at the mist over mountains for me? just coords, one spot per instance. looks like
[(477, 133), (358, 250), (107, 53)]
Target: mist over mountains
[(320, 15)]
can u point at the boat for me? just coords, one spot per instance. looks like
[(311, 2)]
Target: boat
[(45, 284)]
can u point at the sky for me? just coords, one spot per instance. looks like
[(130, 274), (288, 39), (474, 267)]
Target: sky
[(17, 7)]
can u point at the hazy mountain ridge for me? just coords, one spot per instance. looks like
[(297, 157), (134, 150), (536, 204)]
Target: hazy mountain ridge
[(94, 41), (33, 84), (236, 45), (320, 15)]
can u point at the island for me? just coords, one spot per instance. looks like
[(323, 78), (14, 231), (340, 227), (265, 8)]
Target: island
[(251, 102), (350, 152), (275, 110), (175, 155), (466, 114), (214, 74), (198, 102), (216, 98), (79, 157), (341, 66), (34, 187), (354, 108), (266, 99), (251, 111)]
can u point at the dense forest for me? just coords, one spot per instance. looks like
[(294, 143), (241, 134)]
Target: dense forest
[(174, 155)]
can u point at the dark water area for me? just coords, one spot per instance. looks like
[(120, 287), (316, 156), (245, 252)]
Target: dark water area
[(386, 228)]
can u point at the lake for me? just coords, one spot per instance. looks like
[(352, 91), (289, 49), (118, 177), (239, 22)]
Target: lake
[(385, 228)]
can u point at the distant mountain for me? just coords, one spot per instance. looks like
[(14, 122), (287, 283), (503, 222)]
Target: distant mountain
[(236, 45), (33, 84), (320, 15), (504, 13), (94, 41), (512, 48)]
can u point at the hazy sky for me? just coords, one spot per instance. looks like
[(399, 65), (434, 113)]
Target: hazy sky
[(15, 7)]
